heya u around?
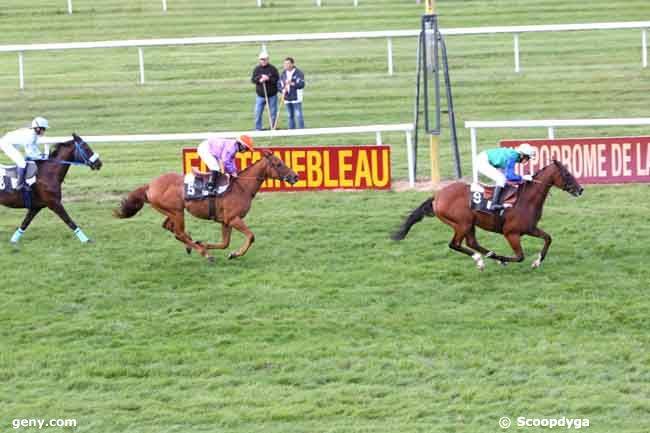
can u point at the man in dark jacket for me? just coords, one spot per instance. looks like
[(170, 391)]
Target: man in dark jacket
[(292, 81), (265, 77)]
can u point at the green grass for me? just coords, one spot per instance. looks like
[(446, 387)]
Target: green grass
[(325, 325)]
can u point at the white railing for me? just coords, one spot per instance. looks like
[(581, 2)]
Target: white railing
[(549, 124), (318, 3), (406, 128), (264, 39)]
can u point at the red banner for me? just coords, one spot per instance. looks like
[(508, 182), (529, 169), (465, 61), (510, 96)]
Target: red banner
[(594, 160), (318, 168)]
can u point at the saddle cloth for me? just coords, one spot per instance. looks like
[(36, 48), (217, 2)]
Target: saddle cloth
[(9, 176), (195, 186), (481, 195)]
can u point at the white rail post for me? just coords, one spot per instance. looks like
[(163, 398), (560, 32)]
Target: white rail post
[(21, 70), (164, 5), (551, 133), (390, 55), (141, 60), (69, 7), (318, 3), (472, 132), (410, 155), (378, 138), (517, 66), (644, 47), (259, 3), (356, 3)]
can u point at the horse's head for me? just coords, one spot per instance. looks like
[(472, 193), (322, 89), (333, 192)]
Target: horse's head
[(277, 169), (76, 150), (563, 179)]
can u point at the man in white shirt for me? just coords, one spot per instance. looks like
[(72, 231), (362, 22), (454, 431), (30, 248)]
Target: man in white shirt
[(27, 138)]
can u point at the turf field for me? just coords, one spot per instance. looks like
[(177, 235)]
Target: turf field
[(325, 325)]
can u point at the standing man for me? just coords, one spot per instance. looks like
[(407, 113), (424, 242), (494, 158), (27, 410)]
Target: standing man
[(292, 82), (25, 139), (265, 77)]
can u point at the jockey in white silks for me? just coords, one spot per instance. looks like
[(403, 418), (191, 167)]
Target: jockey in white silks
[(27, 139)]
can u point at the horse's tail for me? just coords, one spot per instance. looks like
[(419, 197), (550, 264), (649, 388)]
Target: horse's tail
[(425, 209), (132, 203)]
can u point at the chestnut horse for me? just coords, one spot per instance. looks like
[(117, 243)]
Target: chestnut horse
[(451, 206), (46, 192), (166, 194)]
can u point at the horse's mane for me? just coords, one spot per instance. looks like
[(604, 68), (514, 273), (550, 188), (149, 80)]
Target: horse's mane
[(54, 151), (555, 163), (265, 154)]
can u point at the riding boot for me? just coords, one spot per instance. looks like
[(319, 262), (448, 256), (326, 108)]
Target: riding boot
[(212, 181), (20, 173), (496, 198)]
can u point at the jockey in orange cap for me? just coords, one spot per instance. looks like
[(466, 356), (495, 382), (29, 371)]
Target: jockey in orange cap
[(219, 155)]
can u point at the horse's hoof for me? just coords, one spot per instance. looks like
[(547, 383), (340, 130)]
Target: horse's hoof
[(211, 260), (502, 263), (89, 241), (232, 255), (188, 250)]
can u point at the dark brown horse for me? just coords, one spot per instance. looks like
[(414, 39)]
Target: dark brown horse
[(166, 194), (46, 192), (451, 206)]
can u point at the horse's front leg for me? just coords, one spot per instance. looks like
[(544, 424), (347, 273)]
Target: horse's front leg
[(58, 209), (239, 225), (539, 233), (226, 231), (514, 239), (31, 213), (472, 242)]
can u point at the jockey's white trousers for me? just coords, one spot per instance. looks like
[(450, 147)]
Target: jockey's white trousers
[(13, 153), (204, 153), (487, 169)]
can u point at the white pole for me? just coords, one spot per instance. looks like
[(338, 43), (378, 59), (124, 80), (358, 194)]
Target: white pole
[(141, 59), (164, 5), (356, 3), (644, 47), (551, 133), (378, 138), (259, 3), (410, 154), (21, 70), (472, 132), (318, 3), (517, 68), (390, 55), (69, 7)]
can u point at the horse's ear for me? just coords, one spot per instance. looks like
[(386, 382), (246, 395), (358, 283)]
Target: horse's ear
[(266, 152)]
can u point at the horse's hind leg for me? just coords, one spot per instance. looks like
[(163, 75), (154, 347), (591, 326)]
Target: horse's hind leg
[(31, 213), (472, 242), (175, 223), (456, 244)]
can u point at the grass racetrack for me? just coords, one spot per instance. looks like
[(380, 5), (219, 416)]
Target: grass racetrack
[(325, 325)]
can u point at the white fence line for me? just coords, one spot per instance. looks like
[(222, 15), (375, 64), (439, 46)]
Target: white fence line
[(355, 3), (264, 39), (406, 128), (550, 124)]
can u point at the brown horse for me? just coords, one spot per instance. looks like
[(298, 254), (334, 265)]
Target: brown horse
[(166, 194), (451, 206), (46, 192)]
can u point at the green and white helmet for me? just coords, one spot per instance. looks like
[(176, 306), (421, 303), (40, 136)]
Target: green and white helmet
[(40, 122), (527, 149)]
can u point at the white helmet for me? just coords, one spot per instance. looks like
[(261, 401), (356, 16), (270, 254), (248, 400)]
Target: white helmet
[(527, 149), (40, 122)]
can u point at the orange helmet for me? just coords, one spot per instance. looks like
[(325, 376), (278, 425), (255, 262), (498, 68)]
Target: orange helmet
[(247, 141)]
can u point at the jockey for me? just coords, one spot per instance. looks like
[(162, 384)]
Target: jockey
[(27, 138), (219, 155), (491, 163)]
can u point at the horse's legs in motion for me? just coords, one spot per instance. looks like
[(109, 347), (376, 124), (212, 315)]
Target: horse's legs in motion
[(31, 213), (238, 224), (58, 209), (539, 233), (226, 230), (514, 239), (472, 242), (456, 244), (175, 223)]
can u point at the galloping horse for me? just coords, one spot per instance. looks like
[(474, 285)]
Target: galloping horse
[(46, 192), (451, 206), (165, 194)]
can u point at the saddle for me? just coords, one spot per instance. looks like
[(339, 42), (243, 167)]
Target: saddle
[(196, 185), (481, 196), (9, 176)]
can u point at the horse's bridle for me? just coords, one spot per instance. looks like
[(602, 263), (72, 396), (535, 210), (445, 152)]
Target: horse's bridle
[(80, 156), (565, 180)]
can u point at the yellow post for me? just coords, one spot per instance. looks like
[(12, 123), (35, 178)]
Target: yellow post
[(434, 140)]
